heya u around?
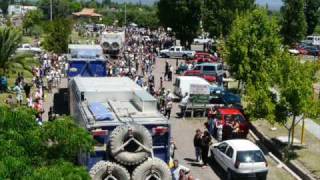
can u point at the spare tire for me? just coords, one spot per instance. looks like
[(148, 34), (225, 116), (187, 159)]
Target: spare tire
[(152, 168), (132, 153), (108, 170)]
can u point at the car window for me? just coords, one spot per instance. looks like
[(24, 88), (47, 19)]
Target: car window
[(177, 49), (222, 147), (209, 68), (197, 68), (250, 156), (220, 67), (229, 152), (171, 49)]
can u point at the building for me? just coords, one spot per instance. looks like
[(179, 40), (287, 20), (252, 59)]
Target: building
[(19, 9)]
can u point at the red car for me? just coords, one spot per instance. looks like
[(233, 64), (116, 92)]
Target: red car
[(209, 78), (232, 120), (201, 57)]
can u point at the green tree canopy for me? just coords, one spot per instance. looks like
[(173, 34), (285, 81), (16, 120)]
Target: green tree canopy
[(4, 6), (9, 42), (218, 15), (31, 19), (253, 46), (57, 34), (60, 8), (312, 14), (182, 16), (27, 149), (294, 25)]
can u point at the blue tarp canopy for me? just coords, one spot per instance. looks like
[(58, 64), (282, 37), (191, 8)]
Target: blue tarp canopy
[(100, 112)]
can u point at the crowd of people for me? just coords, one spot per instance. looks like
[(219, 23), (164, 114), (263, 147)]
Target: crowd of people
[(31, 92)]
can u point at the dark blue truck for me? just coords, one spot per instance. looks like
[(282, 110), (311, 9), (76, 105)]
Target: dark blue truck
[(132, 137), (86, 61)]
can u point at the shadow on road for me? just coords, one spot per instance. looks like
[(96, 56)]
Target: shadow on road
[(60, 102), (217, 168)]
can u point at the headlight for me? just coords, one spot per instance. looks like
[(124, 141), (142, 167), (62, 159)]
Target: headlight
[(106, 45), (115, 45)]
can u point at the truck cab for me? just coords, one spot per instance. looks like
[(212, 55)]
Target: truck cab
[(86, 61)]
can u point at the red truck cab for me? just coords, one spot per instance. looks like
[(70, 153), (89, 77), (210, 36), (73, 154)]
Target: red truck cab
[(230, 119)]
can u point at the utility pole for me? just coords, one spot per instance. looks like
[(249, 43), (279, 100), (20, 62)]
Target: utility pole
[(50, 10), (125, 14)]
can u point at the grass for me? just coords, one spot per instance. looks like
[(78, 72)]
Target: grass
[(308, 155)]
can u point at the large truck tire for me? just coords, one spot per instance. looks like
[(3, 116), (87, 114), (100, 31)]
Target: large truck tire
[(108, 170), (152, 168), (132, 153)]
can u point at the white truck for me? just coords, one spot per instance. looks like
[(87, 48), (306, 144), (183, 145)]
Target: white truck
[(177, 52), (202, 40), (28, 48), (126, 125), (112, 42)]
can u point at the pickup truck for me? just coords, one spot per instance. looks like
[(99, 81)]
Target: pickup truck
[(28, 48), (202, 40), (177, 52)]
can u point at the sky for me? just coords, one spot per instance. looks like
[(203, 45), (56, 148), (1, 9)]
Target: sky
[(273, 4)]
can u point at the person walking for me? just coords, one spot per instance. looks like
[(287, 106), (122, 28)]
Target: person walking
[(18, 89), (197, 142), (168, 108), (166, 70), (205, 143)]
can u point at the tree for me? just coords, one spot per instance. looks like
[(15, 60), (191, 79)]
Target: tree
[(312, 14), (296, 93), (218, 15), (294, 25), (253, 47), (31, 19), (25, 151), (9, 42), (60, 8), (182, 16), (61, 170), (57, 34), (4, 6)]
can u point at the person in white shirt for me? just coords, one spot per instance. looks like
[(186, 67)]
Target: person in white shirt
[(175, 170), (183, 104)]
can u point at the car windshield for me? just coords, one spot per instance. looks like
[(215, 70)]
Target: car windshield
[(209, 68), (250, 156)]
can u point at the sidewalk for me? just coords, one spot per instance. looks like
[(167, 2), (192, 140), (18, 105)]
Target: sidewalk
[(312, 127)]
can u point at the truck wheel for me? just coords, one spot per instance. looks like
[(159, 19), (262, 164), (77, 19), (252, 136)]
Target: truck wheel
[(155, 168), (132, 153), (108, 170)]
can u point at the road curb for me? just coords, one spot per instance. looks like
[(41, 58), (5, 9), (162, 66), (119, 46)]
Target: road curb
[(292, 167)]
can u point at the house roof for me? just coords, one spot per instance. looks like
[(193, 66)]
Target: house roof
[(87, 12)]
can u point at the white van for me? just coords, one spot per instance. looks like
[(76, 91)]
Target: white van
[(182, 84), (314, 40)]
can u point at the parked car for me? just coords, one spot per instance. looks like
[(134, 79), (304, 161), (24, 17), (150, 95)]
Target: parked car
[(207, 69), (312, 50), (202, 40), (28, 48), (177, 52), (225, 98), (240, 158), (201, 57), (226, 117)]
